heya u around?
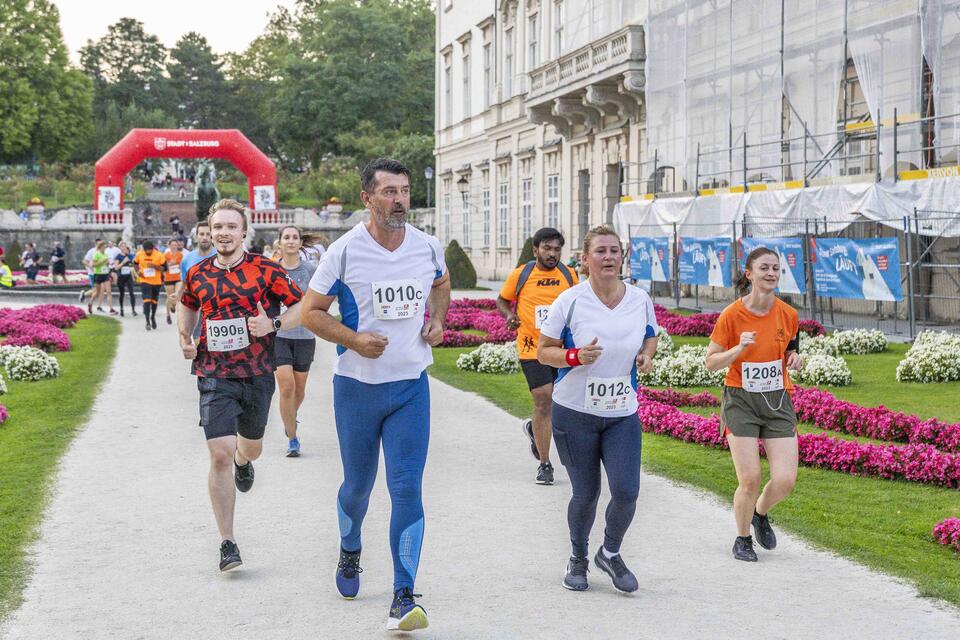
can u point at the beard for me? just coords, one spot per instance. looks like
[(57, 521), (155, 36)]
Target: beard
[(394, 219)]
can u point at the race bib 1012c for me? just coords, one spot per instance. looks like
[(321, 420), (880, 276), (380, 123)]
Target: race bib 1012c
[(608, 394)]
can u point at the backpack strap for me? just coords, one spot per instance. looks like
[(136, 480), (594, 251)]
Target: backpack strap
[(566, 273), (524, 276)]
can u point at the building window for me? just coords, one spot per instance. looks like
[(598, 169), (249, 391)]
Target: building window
[(485, 207), (553, 200), (466, 82), (445, 209), (447, 91), (487, 76), (508, 63), (466, 240), (503, 215), (557, 28), (533, 40), (526, 208)]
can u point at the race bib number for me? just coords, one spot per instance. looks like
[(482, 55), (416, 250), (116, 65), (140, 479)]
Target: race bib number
[(149, 272), (124, 271), (173, 269), (397, 299), (227, 335), (762, 376), (608, 394), (540, 314)]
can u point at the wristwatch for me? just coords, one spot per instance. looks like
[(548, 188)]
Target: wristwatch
[(277, 324)]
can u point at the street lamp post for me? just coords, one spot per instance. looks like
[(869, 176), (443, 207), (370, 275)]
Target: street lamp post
[(428, 174)]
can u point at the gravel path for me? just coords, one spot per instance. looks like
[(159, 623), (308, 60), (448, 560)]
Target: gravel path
[(129, 549)]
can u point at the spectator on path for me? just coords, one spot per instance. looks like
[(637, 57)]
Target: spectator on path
[(30, 260), (182, 193), (175, 225), (58, 263), (123, 267)]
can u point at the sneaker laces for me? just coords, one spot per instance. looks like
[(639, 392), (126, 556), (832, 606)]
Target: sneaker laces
[(616, 563), (579, 566), (349, 562), (405, 597)]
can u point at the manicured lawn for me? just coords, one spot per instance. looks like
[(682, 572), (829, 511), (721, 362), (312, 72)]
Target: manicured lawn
[(883, 524), (44, 416)]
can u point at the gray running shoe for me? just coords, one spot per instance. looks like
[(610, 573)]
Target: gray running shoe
[(229, 555), (576, 578), (243, 476), (743, 549), (766, 538), (528, 429), (623, 579), (545, 473)]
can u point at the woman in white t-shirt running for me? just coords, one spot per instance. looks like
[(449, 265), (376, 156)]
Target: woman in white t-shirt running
[(599, 334)]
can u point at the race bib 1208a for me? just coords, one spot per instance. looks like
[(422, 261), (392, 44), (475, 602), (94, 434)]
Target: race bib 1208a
[(759, 377)]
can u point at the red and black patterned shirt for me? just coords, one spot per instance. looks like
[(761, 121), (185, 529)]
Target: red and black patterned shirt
[(221, 294)]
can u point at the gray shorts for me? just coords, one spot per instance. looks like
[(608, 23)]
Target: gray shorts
[(757, 415)]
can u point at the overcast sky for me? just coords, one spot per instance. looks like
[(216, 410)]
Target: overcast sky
[(228, 25)]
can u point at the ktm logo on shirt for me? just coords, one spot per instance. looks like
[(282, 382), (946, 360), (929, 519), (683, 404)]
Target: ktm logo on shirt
[(781, 336), (548, 282)]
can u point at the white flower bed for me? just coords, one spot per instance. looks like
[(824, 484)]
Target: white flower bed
[(860, 341), (934, 357), (28, 363), (3, 386), (491, 358), (821, 369), (821, 345), (684, 368), (664, 345)]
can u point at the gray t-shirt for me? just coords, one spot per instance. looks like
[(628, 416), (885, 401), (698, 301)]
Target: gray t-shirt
[(301, 275)]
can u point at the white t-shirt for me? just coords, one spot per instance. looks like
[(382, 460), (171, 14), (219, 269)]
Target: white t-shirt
[(88, 259), (112, 253), (313, 253), (608, 387), (383, 292)]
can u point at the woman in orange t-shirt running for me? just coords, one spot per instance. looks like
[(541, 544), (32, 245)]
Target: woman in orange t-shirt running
[(756, 339)]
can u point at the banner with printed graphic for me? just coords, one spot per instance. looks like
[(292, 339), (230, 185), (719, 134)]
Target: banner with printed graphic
[(650, 259), (705, 261), (864, 269), (790, 253)]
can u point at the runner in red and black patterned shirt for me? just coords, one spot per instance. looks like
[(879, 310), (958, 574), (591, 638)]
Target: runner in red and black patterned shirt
[(237, 297)]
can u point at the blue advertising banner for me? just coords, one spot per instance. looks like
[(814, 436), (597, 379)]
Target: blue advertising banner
[(866, 269), (790, 253), (705, 261), (650, 259)]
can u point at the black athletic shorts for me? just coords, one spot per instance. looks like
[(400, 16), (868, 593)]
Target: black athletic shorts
[(537, 374), (149, 291), (58, 268), (100, 278), (232, 406), (296, 352)]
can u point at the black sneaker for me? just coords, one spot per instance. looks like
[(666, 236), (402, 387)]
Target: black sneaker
[(576, 578), (153, 322), (743, 549), (229, 555), (348, 574), (545, 473), (623, 579), (528, 429), (148, 325), (766, 538), (405, 613), (243, 476)]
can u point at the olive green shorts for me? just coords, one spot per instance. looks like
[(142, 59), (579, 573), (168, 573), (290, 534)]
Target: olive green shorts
[(757, 415)]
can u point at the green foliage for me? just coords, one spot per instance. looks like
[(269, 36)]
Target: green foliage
[(115, 122), (367, 142), (12, 254), (462, 273), (526, 254), (44, 105), (199, 84)]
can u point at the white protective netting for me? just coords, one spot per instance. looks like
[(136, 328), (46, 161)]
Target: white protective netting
[(665, 70), (941, 47)]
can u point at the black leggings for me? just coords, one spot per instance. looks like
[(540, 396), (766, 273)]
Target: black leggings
[(151, 295), (584, 441), (124, 284)]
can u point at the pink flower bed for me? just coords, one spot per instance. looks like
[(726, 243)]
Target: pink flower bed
[(914, 462), (812, 328), (701, 324), (826, 411), (4, 414), (58, 315), (479, 315), (680, 398), (948, 533), (40, 326)]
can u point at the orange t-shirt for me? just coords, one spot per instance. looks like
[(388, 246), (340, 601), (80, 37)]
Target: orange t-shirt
[(538, 293), (172, 274), (774, 331), (150, 266)]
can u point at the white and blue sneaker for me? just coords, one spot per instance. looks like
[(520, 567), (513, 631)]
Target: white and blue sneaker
[(405, 613), (293, 450)]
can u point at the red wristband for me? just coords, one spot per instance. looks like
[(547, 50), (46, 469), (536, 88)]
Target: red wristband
[(573, 357)]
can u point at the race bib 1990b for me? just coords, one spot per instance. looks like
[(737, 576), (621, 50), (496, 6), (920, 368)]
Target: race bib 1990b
[(397, 299), (540, 314), (608, 394), (759, 377), (227, 335)]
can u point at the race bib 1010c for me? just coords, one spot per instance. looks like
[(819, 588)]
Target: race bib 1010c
[(608, 394), (227, 335), (397, 299), (759, 377)]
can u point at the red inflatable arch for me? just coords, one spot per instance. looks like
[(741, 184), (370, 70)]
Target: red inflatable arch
[(228, 144)]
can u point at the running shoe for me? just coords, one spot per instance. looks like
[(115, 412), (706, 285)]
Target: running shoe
[(623, 579), (169, 319), (405, 613), (545, 473), (743, 549), (89, 308), (528, 429), (293, 451), (100, 309), (243, 476), (348, 574), (134, 313), (82, 295), (153, 322), (113, 312), (148, 324), (229, 555), (576, 578), (766, 538)]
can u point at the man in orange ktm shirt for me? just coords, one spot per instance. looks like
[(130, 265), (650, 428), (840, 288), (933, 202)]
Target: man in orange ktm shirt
[(171, 277), (150, 263), (534, 286)]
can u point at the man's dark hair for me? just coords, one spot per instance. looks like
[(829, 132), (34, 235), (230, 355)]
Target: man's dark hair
[(368, 178), (147, 245), (547, 233)]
